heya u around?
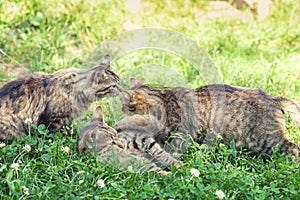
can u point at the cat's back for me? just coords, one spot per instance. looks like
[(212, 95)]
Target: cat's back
[(19, 97), (237, 111), (234, 97), (18, 87), (65, 75), (19, 100), (36, 82), (229, 91)]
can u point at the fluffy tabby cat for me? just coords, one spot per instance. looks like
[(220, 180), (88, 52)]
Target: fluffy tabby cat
[(130, 142), (53, 99), (249, 117)]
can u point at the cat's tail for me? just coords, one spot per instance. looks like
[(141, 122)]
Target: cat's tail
[(292, 108)]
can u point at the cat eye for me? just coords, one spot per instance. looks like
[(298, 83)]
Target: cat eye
[(105, 77), (102, 77)]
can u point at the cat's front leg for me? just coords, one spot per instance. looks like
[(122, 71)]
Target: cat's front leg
[(154, 149)]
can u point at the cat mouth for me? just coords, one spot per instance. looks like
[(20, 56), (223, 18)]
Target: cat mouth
[(112, 91)]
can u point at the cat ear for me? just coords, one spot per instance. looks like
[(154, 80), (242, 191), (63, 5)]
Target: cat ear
[(98, 115), (105, 61), (135, 82)]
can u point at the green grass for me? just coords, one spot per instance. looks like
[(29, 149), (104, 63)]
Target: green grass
[(51, 35)]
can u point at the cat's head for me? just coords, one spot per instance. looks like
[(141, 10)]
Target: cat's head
[(99, 81), (97, 135), (139, 99)]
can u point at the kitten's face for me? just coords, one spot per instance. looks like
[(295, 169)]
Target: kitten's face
[(94, 139), (138, 99), (100, 81), (97, 135)]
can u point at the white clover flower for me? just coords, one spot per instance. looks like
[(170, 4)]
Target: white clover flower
[(38, 150), (15, 166), (222, 145), (66, 150), (80, 181), (27, 148), (25, 190), (28, 121), (2, 144), (130, 168), (220, 194), (2, 167), (100, 183), (80, 172), (219, 137), (195, 172)]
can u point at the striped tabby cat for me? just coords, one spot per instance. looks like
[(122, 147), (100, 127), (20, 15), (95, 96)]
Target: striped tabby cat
[(249, 117), (129, 142), (53, 99)]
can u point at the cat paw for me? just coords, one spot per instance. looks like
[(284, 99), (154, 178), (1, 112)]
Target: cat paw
[(163, 173)]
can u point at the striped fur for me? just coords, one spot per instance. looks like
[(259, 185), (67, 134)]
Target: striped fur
[(249, 117), (130, 141), (53, 99)]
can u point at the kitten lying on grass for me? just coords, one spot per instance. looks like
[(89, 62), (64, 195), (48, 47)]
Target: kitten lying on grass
[(248, 117), (53, 99), (129, 143)]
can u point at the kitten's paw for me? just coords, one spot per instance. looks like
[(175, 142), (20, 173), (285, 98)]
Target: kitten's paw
[(163, 173)]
